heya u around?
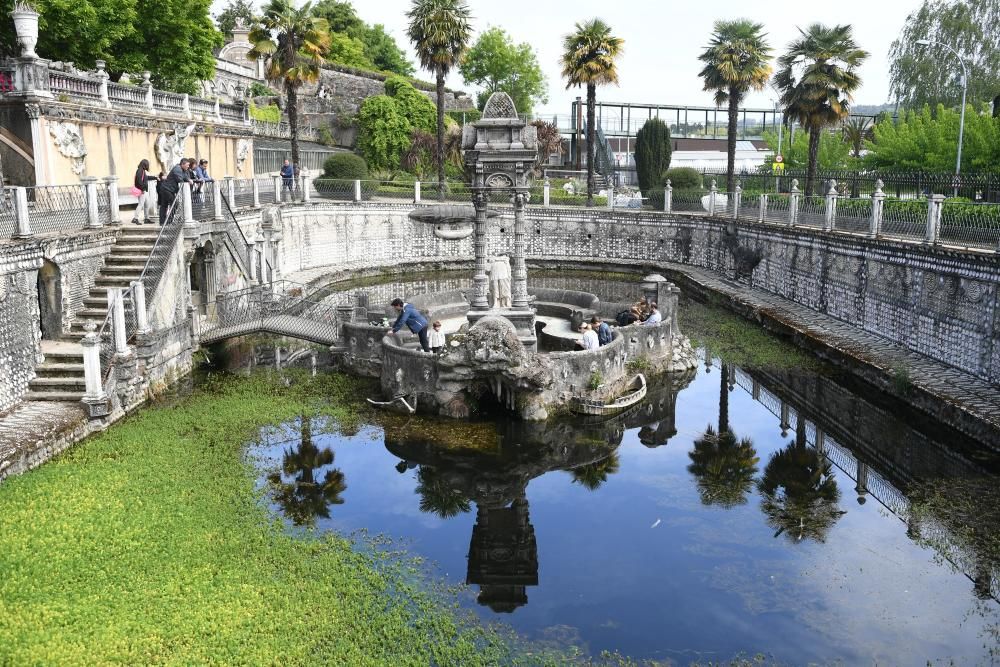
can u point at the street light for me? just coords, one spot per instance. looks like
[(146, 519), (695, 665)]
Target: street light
[(961, 118)]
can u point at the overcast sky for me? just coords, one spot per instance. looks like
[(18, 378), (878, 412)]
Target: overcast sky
[(664, 38)]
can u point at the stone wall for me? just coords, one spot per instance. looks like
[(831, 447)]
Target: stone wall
[(938, 302)]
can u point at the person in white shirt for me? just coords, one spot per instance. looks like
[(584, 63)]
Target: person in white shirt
[(436, 338), (590, 340), (654, 315)]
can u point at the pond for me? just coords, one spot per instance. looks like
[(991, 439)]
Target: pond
[(742, 509)]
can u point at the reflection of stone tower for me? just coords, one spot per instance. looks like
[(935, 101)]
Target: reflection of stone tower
[(503, 556)]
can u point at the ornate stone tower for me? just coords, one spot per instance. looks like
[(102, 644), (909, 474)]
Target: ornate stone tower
[(500, 152)]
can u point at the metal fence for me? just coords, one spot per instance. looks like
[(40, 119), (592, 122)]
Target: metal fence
[(970, 225), (57, 208)]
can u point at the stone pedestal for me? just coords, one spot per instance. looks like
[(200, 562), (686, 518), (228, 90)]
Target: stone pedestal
[(522, 319)]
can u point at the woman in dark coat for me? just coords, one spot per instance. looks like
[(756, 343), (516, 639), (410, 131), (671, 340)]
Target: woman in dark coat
[(140, 183)]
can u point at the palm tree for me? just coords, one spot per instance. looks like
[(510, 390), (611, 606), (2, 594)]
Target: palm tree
[(857, 131), (588, 60), (799, 494), (304, 498), (440, 32), (724, 467), (292, 42), (737, 60), (817, 78), (438, 495), (592, 475)]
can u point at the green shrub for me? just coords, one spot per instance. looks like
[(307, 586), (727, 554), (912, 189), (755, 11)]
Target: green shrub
[(470, 115), (596, 380), (325, 136), (383, 132), (258, 89), (269, 114), (683, 178), (414, 105), (652, 153), (345, 166)]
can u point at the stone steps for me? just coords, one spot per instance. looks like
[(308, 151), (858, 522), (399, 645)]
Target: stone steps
[(60, 377), (55, 396)]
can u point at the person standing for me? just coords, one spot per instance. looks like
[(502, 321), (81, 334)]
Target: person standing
[(602, 329), (500, 281), (436, 338), (287, 178), (140, 188), (411, 317), (167, 188)]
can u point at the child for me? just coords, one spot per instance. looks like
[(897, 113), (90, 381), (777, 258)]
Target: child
[(436, 338)]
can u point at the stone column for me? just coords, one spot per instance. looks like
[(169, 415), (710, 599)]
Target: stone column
[(186, 209), (148, 85), (763, 208), (90, 192), (668, 197), (546, 193), (265, 256), (357, 190), (230, 191), (21, 213), (217, 199), (416, 192), (712, 191), (307, 180), (277, 189), (256, 192), (186, 106), (92, 376), (103, 77), (793, 203), (862, 478), (252, 259), (139, 303), (934, 205), (878, 207), (114, 212), (480, 200), (117, 305), (519, 292), (829, 219)]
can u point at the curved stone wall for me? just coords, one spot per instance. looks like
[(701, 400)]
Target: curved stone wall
[(941, 303)]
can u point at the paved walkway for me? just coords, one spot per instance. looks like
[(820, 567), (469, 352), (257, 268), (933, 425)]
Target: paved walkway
[(967, 397)]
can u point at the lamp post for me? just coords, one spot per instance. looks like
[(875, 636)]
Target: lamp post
[(961, 118)]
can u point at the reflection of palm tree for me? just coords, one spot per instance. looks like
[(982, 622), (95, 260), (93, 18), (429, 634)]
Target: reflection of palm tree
[(799, 492), (438, 496), (303, 499), (592, 475), (724, 467)]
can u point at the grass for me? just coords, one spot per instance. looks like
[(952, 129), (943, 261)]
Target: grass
[(739, 341), (148, 544)]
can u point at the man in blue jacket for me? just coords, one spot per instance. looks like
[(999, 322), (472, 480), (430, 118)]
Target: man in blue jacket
[(412, 318)]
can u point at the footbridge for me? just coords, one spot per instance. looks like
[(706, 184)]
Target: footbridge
[(282, 308)]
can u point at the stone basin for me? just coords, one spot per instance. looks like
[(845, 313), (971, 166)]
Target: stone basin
[(451, 221)]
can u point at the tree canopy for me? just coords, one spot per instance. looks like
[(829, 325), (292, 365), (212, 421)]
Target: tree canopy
[(358, 44), (496, 63), (834, 151), (175, 42), (931, 75), (926, 141), (235, 11)]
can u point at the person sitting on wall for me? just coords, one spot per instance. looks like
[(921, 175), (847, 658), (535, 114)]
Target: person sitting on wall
[(602, 329), (627, 317), (654, 316), (436, 338), (589, 340), (412, 318), (641, 309)]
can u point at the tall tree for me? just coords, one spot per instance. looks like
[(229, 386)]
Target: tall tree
[(588, 59), (235, 11), (737, 60), (817, 77), (496, 63), (175, 42), (293, 43), (383, 52), (932, 75), (652, 154), (440, 31)]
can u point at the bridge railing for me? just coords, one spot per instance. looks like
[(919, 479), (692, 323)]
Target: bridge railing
[(282, 307)]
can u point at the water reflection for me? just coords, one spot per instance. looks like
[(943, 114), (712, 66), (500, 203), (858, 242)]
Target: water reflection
[(295, 488), (799, 492)]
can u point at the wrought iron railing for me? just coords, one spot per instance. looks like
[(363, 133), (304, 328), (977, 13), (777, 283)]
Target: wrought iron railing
[(159, 258), (281, 307), (57, 208), (237, 239)]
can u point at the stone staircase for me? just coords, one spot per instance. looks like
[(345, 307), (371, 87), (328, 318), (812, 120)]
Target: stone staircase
[(60, 377)]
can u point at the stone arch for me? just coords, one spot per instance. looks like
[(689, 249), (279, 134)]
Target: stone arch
[(50, 300), (201, 276)]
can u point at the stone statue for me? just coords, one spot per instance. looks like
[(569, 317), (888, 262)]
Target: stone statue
[(69, 141), (170, 146), (500, 282)]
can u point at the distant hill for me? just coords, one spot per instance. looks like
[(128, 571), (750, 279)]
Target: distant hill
[(872, 109)]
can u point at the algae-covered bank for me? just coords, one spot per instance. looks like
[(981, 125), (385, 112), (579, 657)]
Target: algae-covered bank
[(149, 543)]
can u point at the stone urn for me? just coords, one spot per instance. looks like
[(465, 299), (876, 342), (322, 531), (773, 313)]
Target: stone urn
[(26, 26)]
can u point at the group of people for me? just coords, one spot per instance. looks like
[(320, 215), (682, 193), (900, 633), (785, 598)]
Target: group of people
[(595, 334), (188, 170), (642, 311), (431, 337)]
